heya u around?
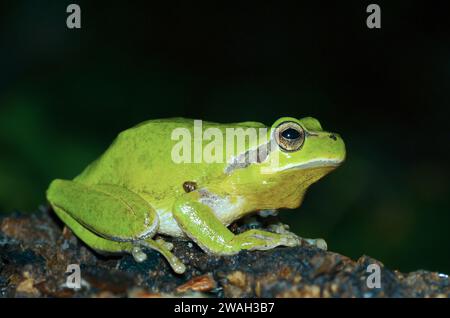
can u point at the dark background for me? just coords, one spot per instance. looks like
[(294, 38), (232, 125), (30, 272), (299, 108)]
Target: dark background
[(65, 94)]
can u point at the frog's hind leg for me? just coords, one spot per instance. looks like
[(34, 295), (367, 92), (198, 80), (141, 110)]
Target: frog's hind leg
[(93, 240), (103, 245), (108, 218)]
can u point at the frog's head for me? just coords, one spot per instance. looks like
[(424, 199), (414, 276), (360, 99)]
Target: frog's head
[(300, 153), (302, 145)]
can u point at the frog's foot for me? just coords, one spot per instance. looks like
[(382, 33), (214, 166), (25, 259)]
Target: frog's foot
[(281, 228), (263, 240), (164, 248)]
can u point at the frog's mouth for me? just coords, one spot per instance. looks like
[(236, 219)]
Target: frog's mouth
[(319, 163)]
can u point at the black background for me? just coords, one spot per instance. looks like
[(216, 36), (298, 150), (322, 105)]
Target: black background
[(65, 94)]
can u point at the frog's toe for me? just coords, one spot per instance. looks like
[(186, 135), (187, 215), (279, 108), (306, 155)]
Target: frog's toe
[(166, 245), (279, 228), (319, 243), (290, 240), (138, 255), (178, 267)]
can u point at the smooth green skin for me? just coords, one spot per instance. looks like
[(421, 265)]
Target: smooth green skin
[(135, 190)]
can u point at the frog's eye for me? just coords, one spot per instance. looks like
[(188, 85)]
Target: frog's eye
[(289, 136)]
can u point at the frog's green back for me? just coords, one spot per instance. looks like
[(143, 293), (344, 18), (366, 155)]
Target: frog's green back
[(141, 159)]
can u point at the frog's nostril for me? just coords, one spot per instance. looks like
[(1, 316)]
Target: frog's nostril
[(333, 136)]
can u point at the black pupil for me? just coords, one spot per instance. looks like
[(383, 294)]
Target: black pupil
[(290, 133)]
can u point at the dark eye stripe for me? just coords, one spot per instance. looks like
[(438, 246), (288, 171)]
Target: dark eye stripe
[(291, 134)]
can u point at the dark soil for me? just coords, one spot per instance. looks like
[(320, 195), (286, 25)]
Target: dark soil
[(36, 249)]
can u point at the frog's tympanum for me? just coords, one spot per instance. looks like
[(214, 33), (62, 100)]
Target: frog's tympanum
[(136, 191)]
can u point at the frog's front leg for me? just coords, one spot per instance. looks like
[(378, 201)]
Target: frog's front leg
[(199, 222), (109, 219)]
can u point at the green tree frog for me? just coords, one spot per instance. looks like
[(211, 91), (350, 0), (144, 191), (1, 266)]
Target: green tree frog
[(135, 191)]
